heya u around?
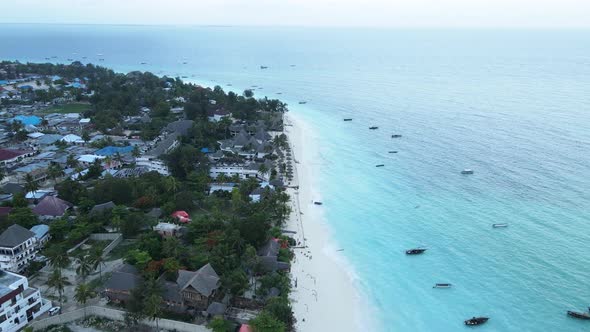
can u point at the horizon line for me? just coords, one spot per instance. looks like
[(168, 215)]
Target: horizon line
[(449, 27)]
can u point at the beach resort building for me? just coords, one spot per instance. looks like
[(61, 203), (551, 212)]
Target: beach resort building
[(19, 303)]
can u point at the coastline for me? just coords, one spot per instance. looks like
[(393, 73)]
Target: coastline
[(325, 298)]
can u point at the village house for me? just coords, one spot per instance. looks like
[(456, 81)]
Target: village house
[(41, 234), (197, 288), (18, 246), (13, 156), (122, 281), (51, 207), (217, 115)]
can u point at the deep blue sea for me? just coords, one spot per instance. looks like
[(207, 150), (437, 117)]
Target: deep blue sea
[(513, 105)]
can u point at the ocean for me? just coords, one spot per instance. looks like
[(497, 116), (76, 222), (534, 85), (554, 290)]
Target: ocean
[(513, 105)]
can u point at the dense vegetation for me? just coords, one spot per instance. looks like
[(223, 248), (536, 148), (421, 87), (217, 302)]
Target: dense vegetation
[(226, 228)]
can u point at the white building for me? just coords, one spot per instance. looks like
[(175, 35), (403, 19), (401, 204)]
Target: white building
[(243, 171), (19, 303), (153, 164), (18, 246)]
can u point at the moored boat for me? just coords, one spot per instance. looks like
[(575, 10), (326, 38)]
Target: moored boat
[(442, 286), (263, 67), (348, 119), (579, 315), (415, 251), (302, 102), (393, 151), (499, 225), (396, 136), (467, 171), (317, 203), (373, 127), (380, 165), (476, 321)]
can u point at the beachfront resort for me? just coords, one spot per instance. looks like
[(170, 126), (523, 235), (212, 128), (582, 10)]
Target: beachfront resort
[(132, 201)]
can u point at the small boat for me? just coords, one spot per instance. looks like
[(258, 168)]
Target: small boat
[(476, 321), (373, 127), (467, 171), (348, 119), (302, 102), (380, 165), (499, 225), (84, 57), (580, 315), (184, 63), (442, 286), (415, 251), (396, 136), (263, 67), (184, 77), (317, 203), (101, 59), (393, 151), (143, 63), (229, 84), (70, 60)]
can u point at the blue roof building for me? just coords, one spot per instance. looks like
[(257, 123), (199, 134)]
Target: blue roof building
[(40, 231), (113, 150), (32, 120)]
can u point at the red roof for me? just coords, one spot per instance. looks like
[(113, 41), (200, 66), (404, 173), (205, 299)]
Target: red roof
[(245, 328), (6, 154), (182, 216)]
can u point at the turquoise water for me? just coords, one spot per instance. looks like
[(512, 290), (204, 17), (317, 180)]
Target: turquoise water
[(512, 105)]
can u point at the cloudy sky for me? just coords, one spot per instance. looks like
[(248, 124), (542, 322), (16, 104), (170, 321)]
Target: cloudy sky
[(395, 13)]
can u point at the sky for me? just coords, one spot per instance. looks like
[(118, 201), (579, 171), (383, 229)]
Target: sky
[(380, 13)]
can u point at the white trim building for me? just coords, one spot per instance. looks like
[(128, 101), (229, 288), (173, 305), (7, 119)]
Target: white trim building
[(19, 303), (18, 246)]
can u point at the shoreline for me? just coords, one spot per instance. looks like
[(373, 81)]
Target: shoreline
[(323, 295)]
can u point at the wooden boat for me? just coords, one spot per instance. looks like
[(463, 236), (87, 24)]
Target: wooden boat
[(476, 321), (373, 127), (579, 315), (499, 225), (442, 286), (348, 119), (396, 136), (467, 171), (415, 251), (380, 165), (317, 203)]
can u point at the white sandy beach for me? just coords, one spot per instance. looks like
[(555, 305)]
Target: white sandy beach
[(325, 298)]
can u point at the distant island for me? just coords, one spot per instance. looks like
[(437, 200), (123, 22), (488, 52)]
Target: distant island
[(142, 197)]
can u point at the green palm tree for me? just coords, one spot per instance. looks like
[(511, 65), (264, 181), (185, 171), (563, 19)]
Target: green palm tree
[(58, 282), (84, 293), (97, 260), (30, 184), (58, 257), (54, 171), (84, 266), (153, 308)]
